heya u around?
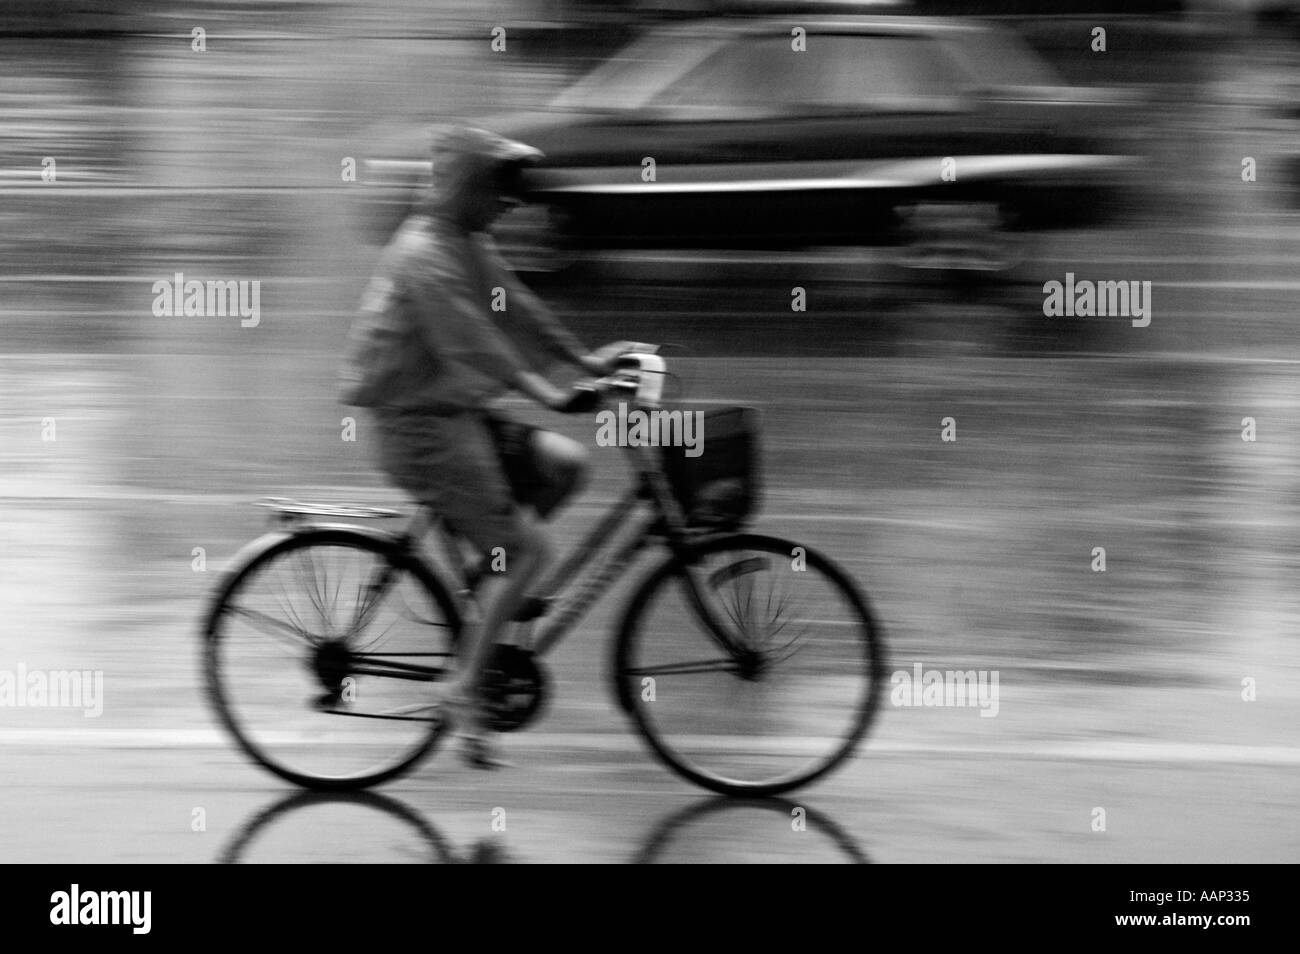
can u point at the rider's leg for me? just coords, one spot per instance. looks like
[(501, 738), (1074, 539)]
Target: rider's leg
[(525, 550), (546, 468), (453, 465), (560, 468)]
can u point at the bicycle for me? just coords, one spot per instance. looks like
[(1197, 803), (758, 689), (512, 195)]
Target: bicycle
[(750, 664)]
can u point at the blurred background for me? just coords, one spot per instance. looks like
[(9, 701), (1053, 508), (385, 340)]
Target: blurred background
[(213, 139)]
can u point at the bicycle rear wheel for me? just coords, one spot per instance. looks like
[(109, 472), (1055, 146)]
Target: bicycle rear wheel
[(780, 694), (320, 655)]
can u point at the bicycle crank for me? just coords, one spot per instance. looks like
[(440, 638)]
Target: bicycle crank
[(514, 687)]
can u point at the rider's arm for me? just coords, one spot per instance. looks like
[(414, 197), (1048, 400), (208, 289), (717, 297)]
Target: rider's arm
[(457, 329), (540, 390), (522, 305)]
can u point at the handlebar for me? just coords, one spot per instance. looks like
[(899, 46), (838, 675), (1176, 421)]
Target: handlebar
[(640, 377)]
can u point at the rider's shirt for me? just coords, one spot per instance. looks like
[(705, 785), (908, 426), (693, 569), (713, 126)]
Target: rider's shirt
[(445, 326)]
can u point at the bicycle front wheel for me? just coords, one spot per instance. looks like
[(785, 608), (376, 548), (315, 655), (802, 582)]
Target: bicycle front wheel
[(765, 685), (321, 652)]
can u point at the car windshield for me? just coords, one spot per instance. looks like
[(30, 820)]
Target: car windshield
[(846, 70), (745, 73), (633, 76), (997, 59)]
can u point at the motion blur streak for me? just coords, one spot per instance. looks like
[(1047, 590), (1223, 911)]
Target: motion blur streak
[(216, 141)]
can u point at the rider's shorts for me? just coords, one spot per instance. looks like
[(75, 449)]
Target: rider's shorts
[(468, 468), (513, 440)]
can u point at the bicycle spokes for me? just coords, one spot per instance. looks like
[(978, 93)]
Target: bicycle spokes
[(756, 676), (326, 656)]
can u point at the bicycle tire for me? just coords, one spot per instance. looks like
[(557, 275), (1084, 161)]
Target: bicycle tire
[(258, 556), (628, 674)]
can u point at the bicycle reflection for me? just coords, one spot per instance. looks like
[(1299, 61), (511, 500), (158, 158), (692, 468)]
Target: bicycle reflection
[(714, 829), (417, 840), (720, 829)]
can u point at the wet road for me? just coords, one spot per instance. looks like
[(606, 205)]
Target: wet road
[(1162, 691), (133, 445), (1120, 690)]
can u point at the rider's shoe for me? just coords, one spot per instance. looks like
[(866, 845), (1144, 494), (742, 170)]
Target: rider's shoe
[(481, 751), (478, 747)]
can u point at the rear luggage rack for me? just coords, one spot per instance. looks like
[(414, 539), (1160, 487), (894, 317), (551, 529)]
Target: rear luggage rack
[(287, 510)]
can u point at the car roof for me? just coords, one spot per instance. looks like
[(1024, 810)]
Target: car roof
[(821, 23), (717, 8)]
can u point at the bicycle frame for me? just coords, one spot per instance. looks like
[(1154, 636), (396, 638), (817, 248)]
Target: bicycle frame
[(287, 572), (559, 616), (555, 615)]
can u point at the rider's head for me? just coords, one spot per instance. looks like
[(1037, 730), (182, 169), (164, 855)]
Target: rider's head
[(477, 175)]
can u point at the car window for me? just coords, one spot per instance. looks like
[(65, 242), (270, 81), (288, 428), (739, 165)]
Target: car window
[(638, 73), (746, 73), (836, 71), (999, 59), (880, 70)]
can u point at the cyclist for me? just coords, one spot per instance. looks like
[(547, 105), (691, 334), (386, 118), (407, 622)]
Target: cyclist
[(445, 329)]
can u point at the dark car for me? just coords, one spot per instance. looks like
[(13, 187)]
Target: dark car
[(942, 137)]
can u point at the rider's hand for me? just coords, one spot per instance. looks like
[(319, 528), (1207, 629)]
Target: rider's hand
[(604, 360)]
